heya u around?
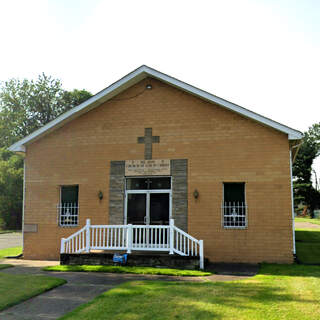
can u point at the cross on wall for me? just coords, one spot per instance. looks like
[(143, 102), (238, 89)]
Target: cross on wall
[(148, 183), (148, 140)]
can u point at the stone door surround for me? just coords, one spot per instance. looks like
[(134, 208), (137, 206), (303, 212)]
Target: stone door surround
[(179, 176)]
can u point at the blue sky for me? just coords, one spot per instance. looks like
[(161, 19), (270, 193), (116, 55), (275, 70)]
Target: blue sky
[(263, 55)]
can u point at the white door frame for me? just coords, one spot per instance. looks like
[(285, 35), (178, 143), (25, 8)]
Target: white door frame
[(147, 193)]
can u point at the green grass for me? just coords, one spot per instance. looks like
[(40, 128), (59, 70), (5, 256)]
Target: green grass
[(10, 252), (308, 252), (126, 269), (4, 266), (9, 231), (314, 221), (308, 235), (308, 246), (277, 292), (17, 288)]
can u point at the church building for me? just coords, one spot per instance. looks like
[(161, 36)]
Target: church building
[(152, 163)]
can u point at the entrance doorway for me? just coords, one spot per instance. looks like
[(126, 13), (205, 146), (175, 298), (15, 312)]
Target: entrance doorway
[(148, 201)]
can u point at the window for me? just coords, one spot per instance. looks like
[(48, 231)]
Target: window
[(148, 183), (68, 206), (234, 209)]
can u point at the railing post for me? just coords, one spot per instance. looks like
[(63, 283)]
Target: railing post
[(201, 254), (62, 249), (129, 238), (171, 235), (88, 235)]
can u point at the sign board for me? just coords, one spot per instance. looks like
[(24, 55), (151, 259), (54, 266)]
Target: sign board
[(120, 258), (147, 167), (30, 228)]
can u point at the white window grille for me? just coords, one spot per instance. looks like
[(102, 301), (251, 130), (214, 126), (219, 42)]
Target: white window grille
[(234, 214), (68, 214)]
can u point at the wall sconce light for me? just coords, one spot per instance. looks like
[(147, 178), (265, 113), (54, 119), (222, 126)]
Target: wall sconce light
[(100, 195), (196, 194), (149, 86)]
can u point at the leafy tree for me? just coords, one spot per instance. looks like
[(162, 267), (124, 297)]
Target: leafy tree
[(11, 189), (26, 105), (302, 169)]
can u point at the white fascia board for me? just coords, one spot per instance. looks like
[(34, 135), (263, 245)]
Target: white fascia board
[(84, 107), (133, 78)]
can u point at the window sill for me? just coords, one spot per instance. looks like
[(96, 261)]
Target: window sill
[(237, 228), (69, 226)]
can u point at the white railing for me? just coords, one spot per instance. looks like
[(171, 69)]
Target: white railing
[(133, 238), (76, 243)]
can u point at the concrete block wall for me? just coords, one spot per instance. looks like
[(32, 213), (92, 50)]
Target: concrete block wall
[(219, 145)]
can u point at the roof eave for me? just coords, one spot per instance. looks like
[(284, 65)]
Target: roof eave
[(133, 78), (17, 148)]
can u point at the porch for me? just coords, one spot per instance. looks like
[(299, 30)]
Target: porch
[(149, 239)]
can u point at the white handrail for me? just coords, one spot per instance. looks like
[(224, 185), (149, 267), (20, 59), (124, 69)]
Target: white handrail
[(75, 240), (133, 237), (186, 234)]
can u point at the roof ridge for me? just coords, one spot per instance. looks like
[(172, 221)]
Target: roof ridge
[(134, 77)]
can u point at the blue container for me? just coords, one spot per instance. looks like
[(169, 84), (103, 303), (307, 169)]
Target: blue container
[(120, 258)]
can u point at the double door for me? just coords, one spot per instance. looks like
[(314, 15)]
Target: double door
[(149, 207), (148, 200)]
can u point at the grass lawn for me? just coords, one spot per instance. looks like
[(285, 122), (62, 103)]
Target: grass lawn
[(17, 288), (314, 221), (10, 252), (10, 231), (308, 245), (308, 235), (127, 269), (277, 292), (5, 266), (308, 252)]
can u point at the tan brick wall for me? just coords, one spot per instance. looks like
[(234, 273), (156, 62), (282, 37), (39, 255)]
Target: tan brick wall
[(221, 146)]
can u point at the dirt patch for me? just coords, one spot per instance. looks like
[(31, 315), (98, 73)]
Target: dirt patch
[(306, 225)]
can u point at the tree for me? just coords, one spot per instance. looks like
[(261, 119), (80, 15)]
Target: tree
[(26, 105), (302, 169), (11, 190)]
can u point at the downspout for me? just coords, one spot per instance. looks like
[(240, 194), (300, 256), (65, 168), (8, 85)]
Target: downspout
[(23, 201), (292, 207)]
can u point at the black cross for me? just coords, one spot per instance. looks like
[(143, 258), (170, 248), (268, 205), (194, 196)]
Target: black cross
[(148, 140)]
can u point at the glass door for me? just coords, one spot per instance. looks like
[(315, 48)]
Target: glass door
[(159, 208), (136, 208), (148, 200)]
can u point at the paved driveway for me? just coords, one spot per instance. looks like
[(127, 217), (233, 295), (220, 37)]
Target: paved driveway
[(10, 240)]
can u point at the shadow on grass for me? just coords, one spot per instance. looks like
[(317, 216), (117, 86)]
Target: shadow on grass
[(307, 235), (308, 246), (5, 266), (189, 300), (290, 270), (308, 253)]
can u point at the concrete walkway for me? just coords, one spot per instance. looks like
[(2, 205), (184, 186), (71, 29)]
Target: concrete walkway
[(10, 240), (306, 225), (80, 288)]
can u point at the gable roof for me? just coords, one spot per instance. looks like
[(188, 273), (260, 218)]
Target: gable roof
[(133, 78)]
